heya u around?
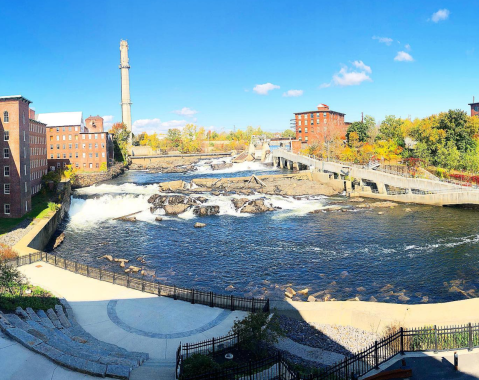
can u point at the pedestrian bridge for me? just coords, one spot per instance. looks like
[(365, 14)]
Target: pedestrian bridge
[(375, 183)]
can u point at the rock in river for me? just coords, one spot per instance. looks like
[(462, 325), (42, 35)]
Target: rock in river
[(199, 225), (206, 210), (59, 240)]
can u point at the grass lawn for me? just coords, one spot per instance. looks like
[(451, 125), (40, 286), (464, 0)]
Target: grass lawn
[(39, 210), (27, 296)]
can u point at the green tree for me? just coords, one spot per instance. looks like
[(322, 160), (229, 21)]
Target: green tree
[(458, 130), (173, 137), (289, 133), (361, 129), (120, 141), (390, 129)]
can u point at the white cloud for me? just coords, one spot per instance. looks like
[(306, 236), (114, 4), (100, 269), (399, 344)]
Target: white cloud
[(407, 47), (361, 66), (185, 111), (440, 15), (383, 40), (156, 125), (107, 121), (325, 85), (402, 56), (263, 89), (293, 93)]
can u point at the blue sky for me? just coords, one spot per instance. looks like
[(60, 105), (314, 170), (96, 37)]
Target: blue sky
[(231, 63)]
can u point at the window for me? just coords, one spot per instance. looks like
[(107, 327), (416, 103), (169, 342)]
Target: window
[(306, 138), (324, 114), (317, 121), (76, 146), (58, 146), (71, 155), (26, 189), (64, 138), (26, 205), (25, 169), (317, 114), (6, 153), (96, 145), (6, 171), (84, 145), (58, 138), (76, 129), (58, 164), (83, 137), (90, 155), (51, 138), (103, 154), (97, 166), (6, 188), (69, 129), (5, 118), (91, 166), (63, 129), (306, 130), (6, 135), (6, 209), (96, 155), (312, 121), (64, 155), (64, 164), (299, 130), (69, 146), (299, 138), (69, 137), (476, 108), (89, 136), (51, 156), (89, 146), (64, 146), (76, 165), (96, 137), (312, 115), (102, 145), (84, 155), (24, 136), (58, 155), (299, 122), (76, 154)]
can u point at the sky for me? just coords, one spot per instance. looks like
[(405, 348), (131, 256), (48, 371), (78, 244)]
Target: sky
[(228, 64)]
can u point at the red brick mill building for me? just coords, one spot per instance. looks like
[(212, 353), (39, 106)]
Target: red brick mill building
[(319, 125), (71, 142), (22, 155)]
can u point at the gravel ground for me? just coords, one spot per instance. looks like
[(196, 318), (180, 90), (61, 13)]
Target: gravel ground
[(344, 340), (13, 237)]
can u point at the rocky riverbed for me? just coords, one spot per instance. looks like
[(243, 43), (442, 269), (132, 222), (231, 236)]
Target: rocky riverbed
[(179, 165), (344, 340)]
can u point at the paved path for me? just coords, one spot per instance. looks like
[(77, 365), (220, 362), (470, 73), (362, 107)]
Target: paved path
[(309, 353), (132, 319)]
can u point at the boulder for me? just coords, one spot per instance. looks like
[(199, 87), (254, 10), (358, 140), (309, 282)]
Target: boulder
[(59, 240), (221, 166), (288, 294), (121, 260), (290, 291), (380, 213), (176, 209), (403, 298), (172, 185), (201, 199), (311, 299), (354, 299), (361, 289), (230, 288), (373, 299), (127, 218), (206, 210), (303, 292), (199, 225), (387, 287), (344, 274), (108, 257), (255, 207), (134, 269), (425, 299), (239, 202), (158, 219), (384, 204)]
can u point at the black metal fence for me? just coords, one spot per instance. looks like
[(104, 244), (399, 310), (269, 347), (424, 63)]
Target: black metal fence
[(405, 340), (193, 296)]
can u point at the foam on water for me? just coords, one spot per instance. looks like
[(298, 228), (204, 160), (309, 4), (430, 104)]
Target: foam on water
[(201, 167), (126, 188)]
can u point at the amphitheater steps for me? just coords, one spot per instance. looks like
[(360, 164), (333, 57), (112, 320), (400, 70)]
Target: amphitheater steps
[(57, 335)]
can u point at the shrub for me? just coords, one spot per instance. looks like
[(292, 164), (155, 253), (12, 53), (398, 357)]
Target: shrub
[(7, 253), (197, 364), (53, 206), (103, 167), (11, 279), (256, 331)]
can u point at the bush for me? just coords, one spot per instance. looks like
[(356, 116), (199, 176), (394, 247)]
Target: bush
[(7, 253), (197, 364), (257, 331), (53, 206)]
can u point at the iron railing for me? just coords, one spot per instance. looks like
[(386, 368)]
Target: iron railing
[(131, 281), (352, 367)]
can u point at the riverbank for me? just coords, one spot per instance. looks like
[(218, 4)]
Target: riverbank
[(90, 178)]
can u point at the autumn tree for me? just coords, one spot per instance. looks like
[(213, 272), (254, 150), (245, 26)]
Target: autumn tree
[(121, 136)]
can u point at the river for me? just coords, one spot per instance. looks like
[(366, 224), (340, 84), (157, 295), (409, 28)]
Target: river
[(410, 257)]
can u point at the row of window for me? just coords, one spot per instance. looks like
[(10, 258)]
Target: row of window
[(6, 170), (6, 208), (6, 136), (37, 174), (37, 128), (90, 146), (36, 189), (70, 155), (83, 136), (37, 163), (6, 117), (37, 140), (69, 129), (38, 151), (77, 165)]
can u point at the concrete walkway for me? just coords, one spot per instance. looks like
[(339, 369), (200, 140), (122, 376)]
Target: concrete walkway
[(132, 319), (309, 353)]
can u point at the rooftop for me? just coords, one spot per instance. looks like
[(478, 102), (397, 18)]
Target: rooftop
[(14, 97), (61, 119)]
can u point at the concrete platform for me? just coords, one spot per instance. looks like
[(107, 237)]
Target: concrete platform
[(131, 319)]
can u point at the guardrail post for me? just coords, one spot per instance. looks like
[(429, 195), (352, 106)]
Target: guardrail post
[(143, 285), (193, 296), (211, 299), (159, 290), (174, 293), (213, 342), (100, 273), (113, 278), (470, 337), (232, 303), (30, 258), (18, 261), (76, 267), (435, 340), (252, 306), (376, 355), (402, 341), (88, 271), (65, 263)]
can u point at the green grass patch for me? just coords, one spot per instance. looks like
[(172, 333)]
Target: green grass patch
[(27, 296), (39, 209)]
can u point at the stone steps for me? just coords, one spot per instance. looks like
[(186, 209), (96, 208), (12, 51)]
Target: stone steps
[(57, 335)]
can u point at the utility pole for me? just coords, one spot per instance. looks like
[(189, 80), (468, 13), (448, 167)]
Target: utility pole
[(362, 117)]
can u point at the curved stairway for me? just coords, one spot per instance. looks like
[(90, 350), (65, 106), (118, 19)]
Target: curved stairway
[(57, 335)]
